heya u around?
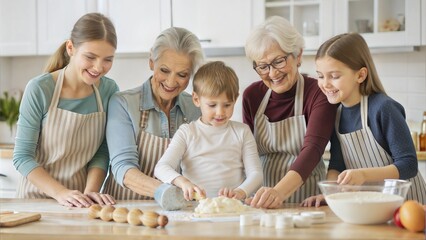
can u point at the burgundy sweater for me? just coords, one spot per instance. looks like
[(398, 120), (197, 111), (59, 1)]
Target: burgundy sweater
[(319, 114)]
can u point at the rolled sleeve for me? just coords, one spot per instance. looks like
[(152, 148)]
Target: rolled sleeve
[(121, 138)]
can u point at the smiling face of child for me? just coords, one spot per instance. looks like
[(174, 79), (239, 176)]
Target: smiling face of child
[(339, 82), (215, 111)]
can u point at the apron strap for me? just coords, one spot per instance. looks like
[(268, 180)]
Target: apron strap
[(337, 121), (142, 124), (298, 102), (98, 99), (364, 111), (58, 87), (57, 92)]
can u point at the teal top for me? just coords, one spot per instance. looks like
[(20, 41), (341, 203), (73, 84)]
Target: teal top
[(32, 117)]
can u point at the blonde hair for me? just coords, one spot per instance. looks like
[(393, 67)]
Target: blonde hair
[(352, 50), (90, 27), (274, 30), (182, 41), (214, 78)]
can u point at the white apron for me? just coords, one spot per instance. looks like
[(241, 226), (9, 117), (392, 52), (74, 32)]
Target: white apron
[(150, 150), (67, 142), (361, 150), (279, 144)]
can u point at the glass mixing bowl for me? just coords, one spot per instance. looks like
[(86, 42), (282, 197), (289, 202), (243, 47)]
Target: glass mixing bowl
[(369, 203)]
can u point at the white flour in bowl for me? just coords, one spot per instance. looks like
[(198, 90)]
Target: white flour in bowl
[(364, 207)]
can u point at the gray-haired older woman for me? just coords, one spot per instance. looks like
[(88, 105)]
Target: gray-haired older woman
[(142, 121), (291, 118)]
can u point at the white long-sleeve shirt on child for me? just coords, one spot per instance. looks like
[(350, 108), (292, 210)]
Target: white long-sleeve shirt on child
[(213, 157)]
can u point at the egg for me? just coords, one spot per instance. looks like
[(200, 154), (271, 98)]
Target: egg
[(412, 216)]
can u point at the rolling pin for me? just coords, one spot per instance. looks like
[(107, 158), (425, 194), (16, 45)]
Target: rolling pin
[(134, 216)]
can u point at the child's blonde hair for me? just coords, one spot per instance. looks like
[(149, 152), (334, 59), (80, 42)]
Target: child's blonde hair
[(215, 78), (352, 50)]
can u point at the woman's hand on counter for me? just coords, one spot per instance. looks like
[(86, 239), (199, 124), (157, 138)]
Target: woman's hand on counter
[(266, 197), (100, 198), (73, 198), (316, 201)]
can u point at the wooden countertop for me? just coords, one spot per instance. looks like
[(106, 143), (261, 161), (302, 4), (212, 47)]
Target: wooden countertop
[(6, 150), (60, 222)]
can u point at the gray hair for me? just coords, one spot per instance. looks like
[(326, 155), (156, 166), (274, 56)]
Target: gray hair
[(182, 41), (274, 30)]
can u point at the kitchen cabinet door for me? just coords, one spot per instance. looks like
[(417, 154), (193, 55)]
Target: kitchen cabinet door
[(56, 20), (423, 14), (383, 23), (312, 18), (422, 169), (217, 23), (18, 27), (137, 22), (9, 176)]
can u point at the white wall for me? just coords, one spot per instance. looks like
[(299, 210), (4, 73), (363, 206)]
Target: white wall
[(403, 76)]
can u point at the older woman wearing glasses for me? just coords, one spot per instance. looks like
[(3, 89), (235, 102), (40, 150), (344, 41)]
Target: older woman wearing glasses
[(289, 115)]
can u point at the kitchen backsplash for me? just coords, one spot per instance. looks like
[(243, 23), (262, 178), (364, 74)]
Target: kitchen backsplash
[(403, 76)]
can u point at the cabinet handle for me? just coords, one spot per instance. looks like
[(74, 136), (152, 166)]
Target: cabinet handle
[(206, 40), (2, 175)]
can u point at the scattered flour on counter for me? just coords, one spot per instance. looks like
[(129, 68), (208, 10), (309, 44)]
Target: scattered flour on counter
[(177, 216)]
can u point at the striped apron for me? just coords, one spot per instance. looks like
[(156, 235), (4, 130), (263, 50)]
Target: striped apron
[(67, 142), (361, 150), (150, 150), (279, 143)]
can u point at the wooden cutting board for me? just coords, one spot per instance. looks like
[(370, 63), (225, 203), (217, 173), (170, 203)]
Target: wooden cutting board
[(14, 219)]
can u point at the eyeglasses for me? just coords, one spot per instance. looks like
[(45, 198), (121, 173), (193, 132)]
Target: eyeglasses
[(277, 63)]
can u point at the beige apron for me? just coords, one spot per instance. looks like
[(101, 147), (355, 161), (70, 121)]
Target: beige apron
[(361, 150), (68, 141), (279, 144), (150, 150)]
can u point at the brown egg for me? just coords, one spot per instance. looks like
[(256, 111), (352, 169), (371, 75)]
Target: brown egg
[(106, 213), (120, 215), (150, 219), (94, 211), (134, 217), (412, 216)]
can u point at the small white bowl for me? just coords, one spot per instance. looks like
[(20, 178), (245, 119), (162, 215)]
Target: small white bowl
[(370, 203)]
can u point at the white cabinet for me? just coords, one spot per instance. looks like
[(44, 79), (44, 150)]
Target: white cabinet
[(422, 169), (9, 177), (56, 20), (312, 18), (217, 23), (18, 27), (423, 14), (137, 22), (38, 27), (383, 23)]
